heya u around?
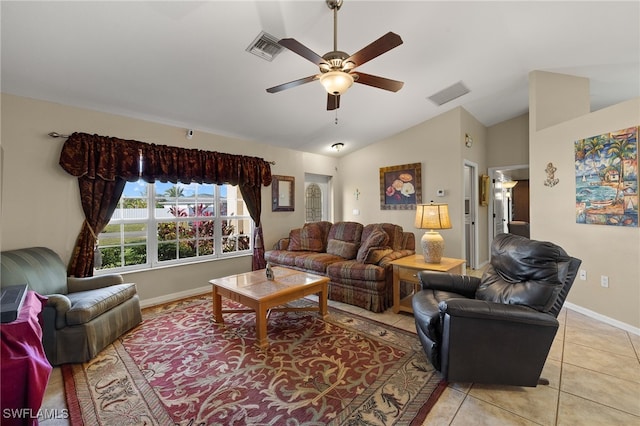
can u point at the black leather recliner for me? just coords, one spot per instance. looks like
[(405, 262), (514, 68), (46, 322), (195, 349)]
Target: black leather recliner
[(498, 329)]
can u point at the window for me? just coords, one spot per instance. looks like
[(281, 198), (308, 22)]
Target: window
[(164, 223)]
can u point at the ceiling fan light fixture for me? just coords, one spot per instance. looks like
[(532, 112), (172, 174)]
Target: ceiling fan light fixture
[(336, 82)]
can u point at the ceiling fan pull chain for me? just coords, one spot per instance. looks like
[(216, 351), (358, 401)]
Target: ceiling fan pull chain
[(336, 121)]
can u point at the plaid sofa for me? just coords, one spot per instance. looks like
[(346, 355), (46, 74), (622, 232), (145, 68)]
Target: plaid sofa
[(356, 258)]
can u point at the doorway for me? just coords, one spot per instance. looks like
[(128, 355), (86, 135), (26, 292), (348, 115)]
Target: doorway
[(502, 208), (470, 214), (317, 202)]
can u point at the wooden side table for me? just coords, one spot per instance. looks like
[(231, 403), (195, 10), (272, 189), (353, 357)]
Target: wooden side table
[(407, 268)]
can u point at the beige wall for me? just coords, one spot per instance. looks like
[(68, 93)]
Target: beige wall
[(41, 205), (438, 144), (509, 142), (604, 250)]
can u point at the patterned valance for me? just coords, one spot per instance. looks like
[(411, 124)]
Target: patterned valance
[(108, 158)]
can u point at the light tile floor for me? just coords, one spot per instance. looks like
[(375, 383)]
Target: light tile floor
[(593, 369)]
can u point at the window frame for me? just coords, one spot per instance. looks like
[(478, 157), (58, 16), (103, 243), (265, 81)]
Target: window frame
[(153, 220)]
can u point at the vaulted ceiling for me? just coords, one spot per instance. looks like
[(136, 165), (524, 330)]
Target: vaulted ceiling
[(186, 64)]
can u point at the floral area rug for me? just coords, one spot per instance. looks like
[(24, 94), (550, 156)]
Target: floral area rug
[(179, 367)]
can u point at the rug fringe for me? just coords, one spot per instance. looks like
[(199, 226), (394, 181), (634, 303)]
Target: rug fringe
[(70, 394)]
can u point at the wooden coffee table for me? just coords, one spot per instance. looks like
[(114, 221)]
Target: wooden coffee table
[(252, 289)]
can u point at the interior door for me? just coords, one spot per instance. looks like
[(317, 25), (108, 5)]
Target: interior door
[(470, 213)]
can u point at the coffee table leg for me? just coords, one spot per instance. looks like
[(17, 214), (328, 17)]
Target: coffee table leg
[(261, 327), (322, 300), (217, 306)]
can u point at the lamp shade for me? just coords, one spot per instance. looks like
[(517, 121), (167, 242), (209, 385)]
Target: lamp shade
[(336, 82), (432, 216)]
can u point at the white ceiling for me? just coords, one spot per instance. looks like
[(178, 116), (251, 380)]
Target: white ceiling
[(185, 64)]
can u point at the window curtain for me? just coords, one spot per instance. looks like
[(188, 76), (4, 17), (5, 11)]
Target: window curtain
[(99, 160)]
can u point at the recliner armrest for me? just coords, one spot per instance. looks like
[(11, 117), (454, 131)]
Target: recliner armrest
[(92, 283), (461, 284), (61, 304), (481, 309)]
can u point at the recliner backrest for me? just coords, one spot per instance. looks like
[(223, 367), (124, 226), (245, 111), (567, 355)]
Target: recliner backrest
[(527, 272), (38, 267)]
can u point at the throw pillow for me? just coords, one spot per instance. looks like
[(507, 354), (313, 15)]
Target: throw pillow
[(294, 240), (375, 254), (342, 248), (311, 238), (377, 238)]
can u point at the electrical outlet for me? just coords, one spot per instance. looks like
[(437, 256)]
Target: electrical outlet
[(604, 281), (583, 274)]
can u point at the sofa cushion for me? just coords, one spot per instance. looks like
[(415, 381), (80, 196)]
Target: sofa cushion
[(375, 254), (343, 249), (346, 231), (351, 270), (87, 305), (376, 238), (316, 262), (284, 257), (294, 240), (311, 238), (396, 235)]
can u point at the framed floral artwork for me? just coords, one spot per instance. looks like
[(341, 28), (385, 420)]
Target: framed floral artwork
[(401, 187)]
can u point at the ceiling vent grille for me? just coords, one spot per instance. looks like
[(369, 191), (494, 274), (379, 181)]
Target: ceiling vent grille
[(265, 46), (448, 94)]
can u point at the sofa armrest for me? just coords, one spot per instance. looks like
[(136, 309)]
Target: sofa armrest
[(497, 312), (394, 255), (92, 283), (61, 304), (464, 285)]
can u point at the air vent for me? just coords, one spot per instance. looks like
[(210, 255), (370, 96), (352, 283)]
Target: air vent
[(265, 46), (448, 94)]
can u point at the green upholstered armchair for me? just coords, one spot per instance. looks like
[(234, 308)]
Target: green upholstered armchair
[(82, 315)]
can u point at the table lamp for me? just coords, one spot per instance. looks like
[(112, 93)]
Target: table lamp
[(432, 217)]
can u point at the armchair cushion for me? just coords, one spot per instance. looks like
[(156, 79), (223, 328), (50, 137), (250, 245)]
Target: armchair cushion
[(524, 272), (90, 304)]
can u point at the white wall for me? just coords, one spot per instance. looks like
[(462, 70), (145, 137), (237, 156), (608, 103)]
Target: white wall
[(41, 204)]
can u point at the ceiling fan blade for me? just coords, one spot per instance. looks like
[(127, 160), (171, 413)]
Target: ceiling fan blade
[(385, 43), (302, 50), (379, 82), (294, 83), (333, 102)]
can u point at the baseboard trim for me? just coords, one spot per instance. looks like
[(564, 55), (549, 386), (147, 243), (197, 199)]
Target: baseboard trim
[(174, 296), (618, 324)]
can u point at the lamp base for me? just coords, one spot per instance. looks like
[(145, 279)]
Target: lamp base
[(432, 246)]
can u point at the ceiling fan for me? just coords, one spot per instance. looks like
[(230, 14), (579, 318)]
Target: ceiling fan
[(337, 67)]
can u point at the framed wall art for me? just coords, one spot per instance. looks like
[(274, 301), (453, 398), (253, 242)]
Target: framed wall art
[(283, 193), (607, 178), (401, 187)]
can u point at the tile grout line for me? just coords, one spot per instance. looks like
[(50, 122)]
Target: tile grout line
[(564, 337)]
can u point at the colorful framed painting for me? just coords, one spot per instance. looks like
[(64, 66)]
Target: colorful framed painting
[(401, 187), (607, 178)]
